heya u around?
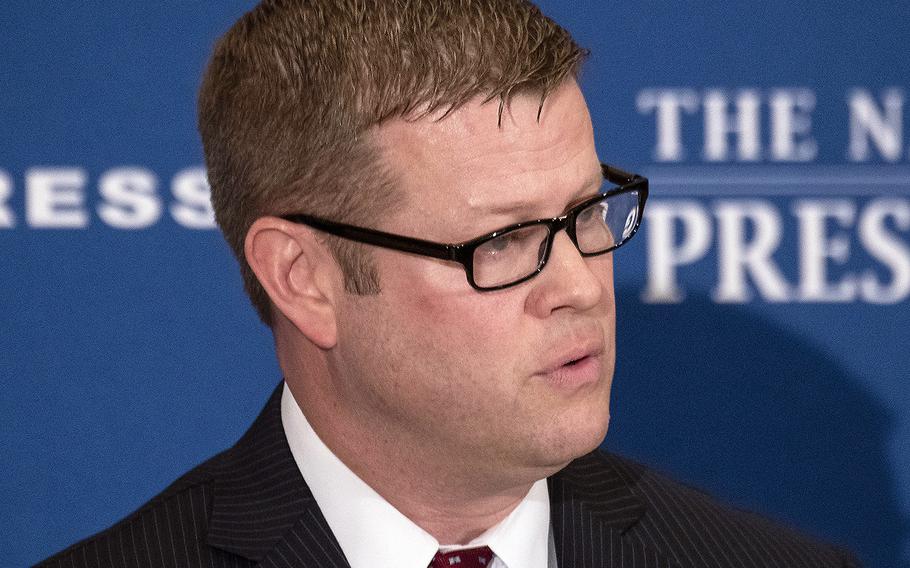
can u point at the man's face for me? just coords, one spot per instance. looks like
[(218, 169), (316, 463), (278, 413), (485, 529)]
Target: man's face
[(491, 380)]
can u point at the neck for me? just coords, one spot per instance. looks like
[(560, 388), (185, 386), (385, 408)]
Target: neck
[(453, 505), (449, 518)]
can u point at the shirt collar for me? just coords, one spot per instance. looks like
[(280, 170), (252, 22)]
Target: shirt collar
[(521, 539), (371, 532)]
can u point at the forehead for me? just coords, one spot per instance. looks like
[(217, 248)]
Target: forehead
[(468, 161)]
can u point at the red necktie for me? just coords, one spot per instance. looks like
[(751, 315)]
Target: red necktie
[(480, 557)]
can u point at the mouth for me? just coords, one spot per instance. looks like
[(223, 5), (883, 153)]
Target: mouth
[(579, 367)]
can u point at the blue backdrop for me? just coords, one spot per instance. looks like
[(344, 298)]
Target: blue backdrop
[(763, 312)]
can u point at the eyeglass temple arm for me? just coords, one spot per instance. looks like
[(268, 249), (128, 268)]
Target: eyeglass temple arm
[(618, 176), (379, 238)]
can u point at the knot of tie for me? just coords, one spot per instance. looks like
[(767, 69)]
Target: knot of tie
[(480, 557)]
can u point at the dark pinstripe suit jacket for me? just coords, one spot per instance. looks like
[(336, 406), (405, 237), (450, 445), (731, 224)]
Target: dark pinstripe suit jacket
[(249, 506)]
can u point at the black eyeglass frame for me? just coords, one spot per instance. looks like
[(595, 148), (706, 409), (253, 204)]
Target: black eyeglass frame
[(463, 252)]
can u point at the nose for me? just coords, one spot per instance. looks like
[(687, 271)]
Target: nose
[(569, 280)]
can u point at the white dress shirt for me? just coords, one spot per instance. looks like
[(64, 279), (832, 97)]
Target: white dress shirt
[(374, 534)]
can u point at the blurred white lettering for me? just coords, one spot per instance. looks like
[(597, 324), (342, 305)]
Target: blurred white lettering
[(737, 256), (887, 248), (664, 255), (816, 248), (193, 208), (739, 115), (669, 105), (7, 219), (791, 115), (130, 198), (750, 232), (868, 122), (744, 124), (55, 197)]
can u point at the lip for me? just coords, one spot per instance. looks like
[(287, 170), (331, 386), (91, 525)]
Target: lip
[(575, 366)]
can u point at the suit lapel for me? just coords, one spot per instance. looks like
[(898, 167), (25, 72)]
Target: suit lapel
[(592, 507), (262, 508)]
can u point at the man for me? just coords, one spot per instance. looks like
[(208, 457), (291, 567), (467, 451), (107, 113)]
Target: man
[(447, 364)]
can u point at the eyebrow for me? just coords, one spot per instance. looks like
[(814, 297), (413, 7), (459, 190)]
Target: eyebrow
[(583, 193)]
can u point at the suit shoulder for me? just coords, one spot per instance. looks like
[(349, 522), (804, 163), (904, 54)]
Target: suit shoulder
[(696, 525), (168, 530)]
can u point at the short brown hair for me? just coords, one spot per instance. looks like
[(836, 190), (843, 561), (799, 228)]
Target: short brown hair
[(294, 87)]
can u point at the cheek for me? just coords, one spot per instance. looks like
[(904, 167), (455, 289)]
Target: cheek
[(460, 338), (462, 323), (602, 267), (435, 298), (433, 349)]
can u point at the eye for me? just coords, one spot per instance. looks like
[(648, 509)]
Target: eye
[(585, 216), (596, 212), (513, 244), (500, 244)]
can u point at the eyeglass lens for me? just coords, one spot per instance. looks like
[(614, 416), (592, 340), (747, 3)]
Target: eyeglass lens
[(518, 253)]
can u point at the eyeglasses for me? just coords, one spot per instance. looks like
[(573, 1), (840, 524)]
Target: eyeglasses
[(511, 255)]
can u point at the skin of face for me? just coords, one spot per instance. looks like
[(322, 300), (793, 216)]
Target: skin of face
[(461, 386)]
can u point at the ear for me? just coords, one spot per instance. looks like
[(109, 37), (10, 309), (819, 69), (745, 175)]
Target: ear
[(298, 273)]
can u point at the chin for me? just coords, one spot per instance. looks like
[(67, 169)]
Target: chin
[(586, 441), (569, 443)]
